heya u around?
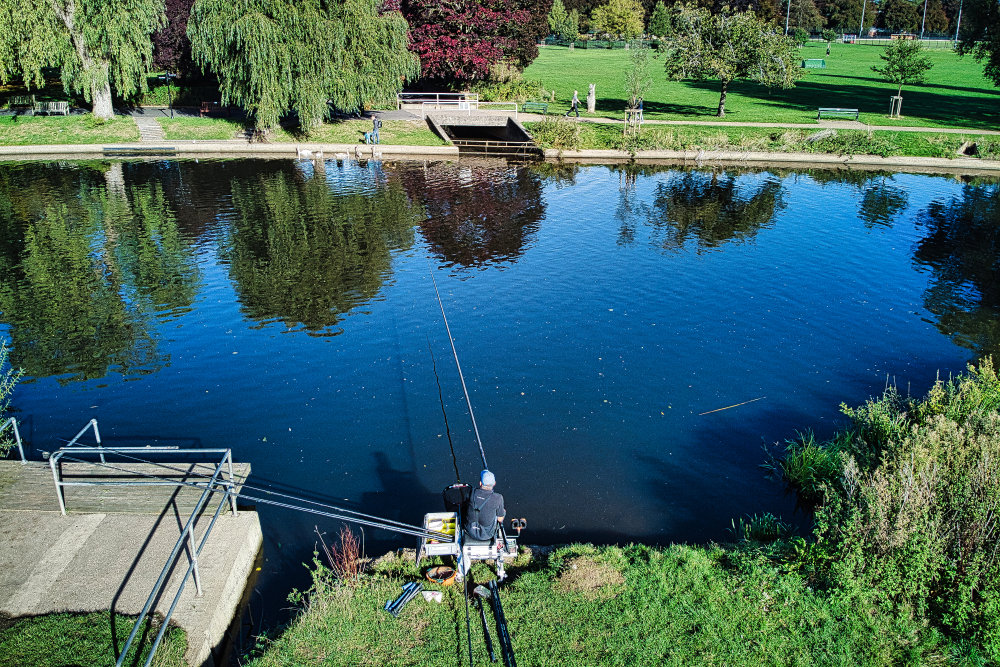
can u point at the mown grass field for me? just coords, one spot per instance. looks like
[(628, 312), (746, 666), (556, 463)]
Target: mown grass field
[(587, 606), (45, 130), (62, 640), (956, 94)]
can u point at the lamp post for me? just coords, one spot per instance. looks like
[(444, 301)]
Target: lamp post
[(958, 25), (861, 28), (923, 20), (169, 77), (788, 11)]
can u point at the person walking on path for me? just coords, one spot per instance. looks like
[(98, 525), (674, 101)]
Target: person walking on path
[(574, 105)]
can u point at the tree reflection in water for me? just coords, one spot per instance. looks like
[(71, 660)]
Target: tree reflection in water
[(82, 279), (304, 252), (704, 208), (477, 214), (881, 202), (961, 248)]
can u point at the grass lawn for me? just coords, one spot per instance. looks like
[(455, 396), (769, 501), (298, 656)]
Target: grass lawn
[(60, 640), (181, 128), (569, 135), (588, 606), (956, 93), (393, 132), (41, 130)]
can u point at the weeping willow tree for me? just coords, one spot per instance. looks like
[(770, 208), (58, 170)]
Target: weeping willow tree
[(100, 46), (275, 55)]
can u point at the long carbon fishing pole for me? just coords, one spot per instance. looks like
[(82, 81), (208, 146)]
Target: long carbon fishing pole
[(243, 487), (339, 513), (461, 377)]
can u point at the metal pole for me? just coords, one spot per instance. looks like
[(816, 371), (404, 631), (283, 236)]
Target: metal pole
[(97, 437), (194, 561), (788, 11), (923, 20), (958, 25), (53, 462), (861, 28), (232, 481)]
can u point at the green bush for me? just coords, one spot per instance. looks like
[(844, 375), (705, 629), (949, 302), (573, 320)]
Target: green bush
[(9, 377), (558, 133), (910, 515)]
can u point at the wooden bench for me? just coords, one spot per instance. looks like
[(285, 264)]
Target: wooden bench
[(835, 111), (209, 108), (535, 107), (22, 103), (50, 108)]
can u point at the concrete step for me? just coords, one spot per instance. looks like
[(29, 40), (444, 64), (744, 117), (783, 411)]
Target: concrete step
[(150, 129)]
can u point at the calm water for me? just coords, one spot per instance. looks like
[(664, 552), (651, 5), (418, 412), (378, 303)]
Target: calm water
[(285, 309)]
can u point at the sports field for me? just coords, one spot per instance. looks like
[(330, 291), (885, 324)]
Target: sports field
[(956, 94)]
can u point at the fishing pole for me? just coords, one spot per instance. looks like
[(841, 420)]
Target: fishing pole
[(447, 428), (458, 365)]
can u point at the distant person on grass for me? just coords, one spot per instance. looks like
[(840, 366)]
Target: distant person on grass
[(574, 105)]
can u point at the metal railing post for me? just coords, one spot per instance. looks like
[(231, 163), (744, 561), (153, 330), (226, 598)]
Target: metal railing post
[(17, 437), (232, 482), (97, 437), (194, 561), (54, 463)]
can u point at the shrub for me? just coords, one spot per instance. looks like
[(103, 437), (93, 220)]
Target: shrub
[(558, 133), (912, 522), (9, 377)]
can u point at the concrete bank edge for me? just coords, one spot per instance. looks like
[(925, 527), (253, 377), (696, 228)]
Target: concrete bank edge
[(739, 157), (170, 148)]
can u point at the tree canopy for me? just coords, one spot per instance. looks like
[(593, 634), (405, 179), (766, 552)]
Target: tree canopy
[(729, 46), (980, 35), (659, 21), (459, 40), (564, 24), (903, 63), (622, 18), (275, 55), (98, 45)]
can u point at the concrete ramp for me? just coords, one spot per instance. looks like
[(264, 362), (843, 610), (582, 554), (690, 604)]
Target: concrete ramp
[(99, 561), (485, 132)]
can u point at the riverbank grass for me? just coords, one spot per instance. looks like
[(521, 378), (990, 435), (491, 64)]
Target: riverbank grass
[(956, 94), (567, 134), (58, 640), (53, 130), (585, 605)]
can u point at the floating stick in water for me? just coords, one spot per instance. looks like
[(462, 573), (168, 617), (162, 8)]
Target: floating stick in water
[(732, 406)]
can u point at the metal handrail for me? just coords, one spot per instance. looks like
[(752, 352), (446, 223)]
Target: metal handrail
[(187, 535), (17, 437), (97, 436), (417, 98), (468, 106)]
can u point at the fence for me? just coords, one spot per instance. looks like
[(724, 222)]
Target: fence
[(468, 107), (460, 100)]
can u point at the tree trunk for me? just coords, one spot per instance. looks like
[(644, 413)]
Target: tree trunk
[(722, 99), (101, 98)]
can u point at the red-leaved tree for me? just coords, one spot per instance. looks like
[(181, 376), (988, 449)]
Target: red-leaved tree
[(458, 40), (171, 46)]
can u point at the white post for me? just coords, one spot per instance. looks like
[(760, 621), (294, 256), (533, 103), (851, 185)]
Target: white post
[(788, 11), (861, 28), (958, 25), (923, 20)]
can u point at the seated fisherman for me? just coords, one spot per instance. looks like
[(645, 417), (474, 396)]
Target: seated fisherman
[(484, 510)]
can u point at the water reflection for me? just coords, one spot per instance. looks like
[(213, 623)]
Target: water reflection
[(882, 199), (304, 252), (82, 276), (961, 248), (477, 214), (705, 209)]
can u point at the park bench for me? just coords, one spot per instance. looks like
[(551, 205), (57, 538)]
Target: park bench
[(22, 103), (50, 108), (834, 111), (535, 107), (209, 108)]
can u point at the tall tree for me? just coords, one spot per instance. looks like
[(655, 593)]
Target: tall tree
[(900, 16), (275, 55), (845, 15), (100, 46), (981, 35), (729, 47), (803, 14), (621, 18), (659, 21), (564, 25), (171, 46), (458, 40)]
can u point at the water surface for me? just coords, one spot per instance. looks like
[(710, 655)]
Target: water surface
[(603, 316)]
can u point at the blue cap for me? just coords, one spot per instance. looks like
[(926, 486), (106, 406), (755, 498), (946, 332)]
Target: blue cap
[(487, 478)]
